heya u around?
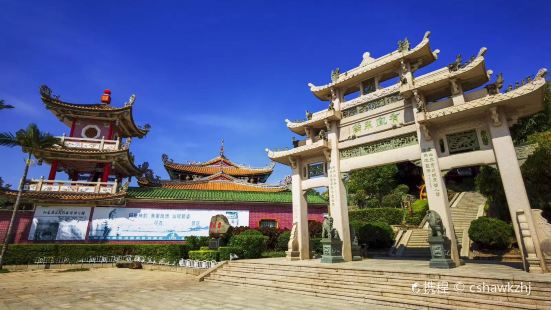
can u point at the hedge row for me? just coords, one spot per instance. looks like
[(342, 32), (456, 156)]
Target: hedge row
[(28, 253), (391, 216)]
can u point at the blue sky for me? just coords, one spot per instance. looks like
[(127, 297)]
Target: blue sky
[(207, 70)]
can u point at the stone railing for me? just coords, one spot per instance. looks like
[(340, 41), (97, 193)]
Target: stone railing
[(42, 185), (90, 144), (187, 263)]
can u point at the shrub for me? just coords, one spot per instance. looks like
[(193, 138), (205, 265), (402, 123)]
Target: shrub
[(314, 228), (225, 251), (203, 255), (251, 241), (491, 233), (418, 211), (392, 200), (391, 216), (372, 203), (195, 242), (316, 246), (376, 235), (283, 241), (272, 234), (28, 253)]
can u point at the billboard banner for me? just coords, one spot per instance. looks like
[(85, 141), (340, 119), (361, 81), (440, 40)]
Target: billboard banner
[(156, 224), (59, 223)]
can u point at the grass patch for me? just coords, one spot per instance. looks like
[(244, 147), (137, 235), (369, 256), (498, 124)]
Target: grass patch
[(4, 271), (75, 270)]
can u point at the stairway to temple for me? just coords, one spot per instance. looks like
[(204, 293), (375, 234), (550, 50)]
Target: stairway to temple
[(391, 285), (463, 213)]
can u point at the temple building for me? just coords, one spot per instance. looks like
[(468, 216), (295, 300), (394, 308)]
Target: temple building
[(219, 173), (95, 202), (381, 112)]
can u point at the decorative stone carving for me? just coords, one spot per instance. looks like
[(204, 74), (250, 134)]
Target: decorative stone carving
[(493, 89), (335, 75), (293, 252), (327, 230), (380, 146), (456, 90), (371, 105), (308, 115), (464, 141), (528, 247), (435, 223), (356, 249), (403, 46), (419, 101), (425, 131), (439, 243), (494, 115), (331, 242)]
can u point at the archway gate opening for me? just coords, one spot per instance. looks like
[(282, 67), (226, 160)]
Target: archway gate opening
[(443, 119)]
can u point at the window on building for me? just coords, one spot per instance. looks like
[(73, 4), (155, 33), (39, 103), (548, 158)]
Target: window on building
[(268, 224)]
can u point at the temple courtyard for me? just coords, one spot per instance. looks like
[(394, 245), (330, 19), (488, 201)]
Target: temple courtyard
[(113, 288), (275, 283)]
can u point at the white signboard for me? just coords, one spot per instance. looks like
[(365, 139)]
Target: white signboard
[(157, 224), (59, 223)]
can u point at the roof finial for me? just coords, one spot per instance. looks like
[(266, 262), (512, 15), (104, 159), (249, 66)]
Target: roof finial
[(222, 149)]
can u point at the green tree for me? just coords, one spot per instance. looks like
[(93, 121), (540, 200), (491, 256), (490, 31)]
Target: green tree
[(5, 106), (536, 123), (536, 172), (488, 183), (30, 140), (3, 186), (370, 187)]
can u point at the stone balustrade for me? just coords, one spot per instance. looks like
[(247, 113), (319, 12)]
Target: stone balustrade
[(42, 185), (91, 144)]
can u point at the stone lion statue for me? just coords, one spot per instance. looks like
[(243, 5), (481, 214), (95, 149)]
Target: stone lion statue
[(327, 230), (435, 223)]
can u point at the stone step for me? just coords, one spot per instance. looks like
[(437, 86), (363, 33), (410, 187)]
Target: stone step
[(342, 289), (402, 275), (375, 286), (380, 281), (382, 301)]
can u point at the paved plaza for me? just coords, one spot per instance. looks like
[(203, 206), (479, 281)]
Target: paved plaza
[(112, 288)]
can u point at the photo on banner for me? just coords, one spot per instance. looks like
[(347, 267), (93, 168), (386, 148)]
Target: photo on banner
[(59, 223), (157, 224)]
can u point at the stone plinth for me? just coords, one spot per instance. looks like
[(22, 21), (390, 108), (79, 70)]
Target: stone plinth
[(438, 253), (332, 251)]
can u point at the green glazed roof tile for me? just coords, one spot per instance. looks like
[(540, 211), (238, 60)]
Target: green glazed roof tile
[(208, 195)]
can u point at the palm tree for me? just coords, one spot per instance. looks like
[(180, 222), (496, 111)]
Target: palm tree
[(29, 140), (5, 106)]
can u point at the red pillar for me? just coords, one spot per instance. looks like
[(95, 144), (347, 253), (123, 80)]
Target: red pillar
[(53, 170), (72, 133), (75, 176), (111, 130), (106, 172)]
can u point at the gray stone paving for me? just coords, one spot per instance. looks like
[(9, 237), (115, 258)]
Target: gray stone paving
[(111, 288)]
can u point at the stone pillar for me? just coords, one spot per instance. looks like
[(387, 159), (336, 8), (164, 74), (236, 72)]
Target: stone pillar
[(300, 211), (515, 192), (338, 204), (436, 188)]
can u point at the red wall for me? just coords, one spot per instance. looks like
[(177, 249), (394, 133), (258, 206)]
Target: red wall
[(282, 213), (23, 222)]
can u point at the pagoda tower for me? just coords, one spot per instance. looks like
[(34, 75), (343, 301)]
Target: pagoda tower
[(382, 113), (95, 154)]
